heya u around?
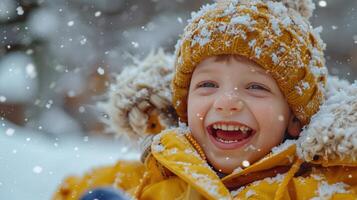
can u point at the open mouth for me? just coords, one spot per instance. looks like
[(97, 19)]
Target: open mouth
[(228, 135)]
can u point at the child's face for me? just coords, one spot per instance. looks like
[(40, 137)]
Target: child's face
[(224, 96)]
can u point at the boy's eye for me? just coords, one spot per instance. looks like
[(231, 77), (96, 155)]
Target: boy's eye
[(257, 87), (207, 85)]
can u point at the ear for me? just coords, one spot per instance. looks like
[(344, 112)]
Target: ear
[(294, 126)]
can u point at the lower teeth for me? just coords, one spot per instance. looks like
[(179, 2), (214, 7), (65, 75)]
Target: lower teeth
[(227, 141)]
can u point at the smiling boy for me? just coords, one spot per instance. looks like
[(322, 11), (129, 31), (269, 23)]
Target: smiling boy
[(248, 75), (236, 111)]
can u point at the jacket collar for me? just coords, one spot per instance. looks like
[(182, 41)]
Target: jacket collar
[(277, 162), (173, 150)]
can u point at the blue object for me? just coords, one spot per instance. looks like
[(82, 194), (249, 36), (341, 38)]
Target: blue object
[(105, 193)]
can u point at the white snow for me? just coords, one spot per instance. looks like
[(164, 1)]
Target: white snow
[(322, 3), (9, 131), (277, 8), (245, 20), (70, 23), (204, 9), (203, 38), (205, 181), (135, 44), (33, 165), (31, 71), (158, 148), (257, 52), (275, 25), (237, 170), (245, 163), (285, 145), (231, 8), (97, 14), (20, 10), (305, 85), (325, 191), (100, 71), (37, 169), (252, 43), (274, 58), (83, 40), (2, 99), (250, 193)]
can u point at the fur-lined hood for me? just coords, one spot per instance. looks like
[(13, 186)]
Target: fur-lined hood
[(331, 136)]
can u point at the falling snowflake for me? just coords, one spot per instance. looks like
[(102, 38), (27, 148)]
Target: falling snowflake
[(29, 51), (81, 109), (49, 104), (20, 10), (97, 14), (245, 163), (10, 132), (71, 93), (31, 71), (2, 99), (37, 169), (322, 3), (135, 44), (83, 40), (70, 23), (100, 71)]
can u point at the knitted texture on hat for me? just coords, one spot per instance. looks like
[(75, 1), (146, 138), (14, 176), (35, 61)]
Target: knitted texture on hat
[(278, 38)]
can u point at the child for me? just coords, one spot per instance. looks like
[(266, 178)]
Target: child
[(248, 75)]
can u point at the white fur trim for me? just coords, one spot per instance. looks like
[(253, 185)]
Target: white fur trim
[(332, 132)]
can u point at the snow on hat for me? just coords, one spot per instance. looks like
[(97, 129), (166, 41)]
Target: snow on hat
[(331, 136), (273, 34), (139, 102)]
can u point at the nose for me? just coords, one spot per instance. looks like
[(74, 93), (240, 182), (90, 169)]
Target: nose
[(228, 103)]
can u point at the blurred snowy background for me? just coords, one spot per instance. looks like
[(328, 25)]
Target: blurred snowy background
[(57, 58)]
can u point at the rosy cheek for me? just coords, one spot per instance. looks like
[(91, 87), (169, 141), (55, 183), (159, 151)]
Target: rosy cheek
[(263, 111), (272, 117)]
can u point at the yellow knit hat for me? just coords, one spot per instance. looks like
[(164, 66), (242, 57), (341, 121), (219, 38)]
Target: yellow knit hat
[(278, 38)]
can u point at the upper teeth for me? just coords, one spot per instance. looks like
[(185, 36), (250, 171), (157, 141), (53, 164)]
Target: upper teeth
[(226, 127)]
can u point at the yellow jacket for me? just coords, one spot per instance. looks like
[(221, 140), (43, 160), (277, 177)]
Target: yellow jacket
[(174, 170)]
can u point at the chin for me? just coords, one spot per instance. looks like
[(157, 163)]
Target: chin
[(223, 166)]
